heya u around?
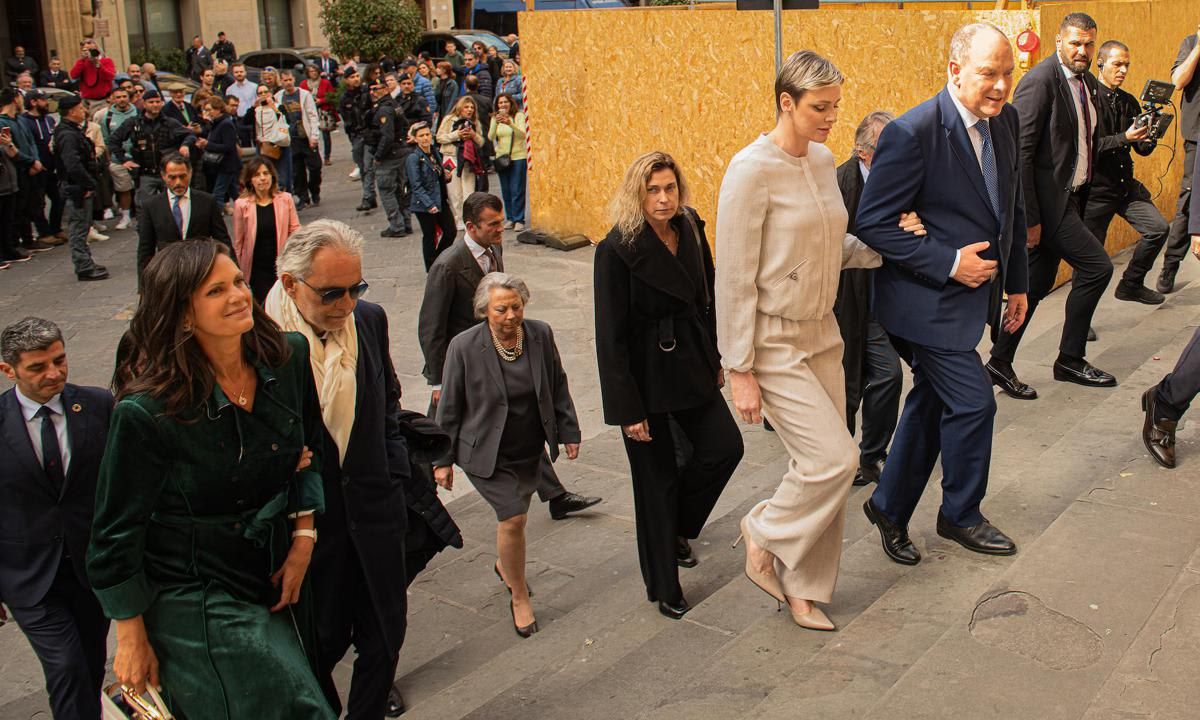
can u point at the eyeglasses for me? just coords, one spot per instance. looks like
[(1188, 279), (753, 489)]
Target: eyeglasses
[(331, 295)]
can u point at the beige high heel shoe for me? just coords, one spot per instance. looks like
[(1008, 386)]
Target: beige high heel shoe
[(814, 619), (768, 583)]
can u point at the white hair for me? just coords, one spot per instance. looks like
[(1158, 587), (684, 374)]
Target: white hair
[(295, 258)]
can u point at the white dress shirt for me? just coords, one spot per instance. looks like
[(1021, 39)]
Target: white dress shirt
[(479, 252), (33, 425), (185, 207), (1083, 135), (970, 120), (864, 170)]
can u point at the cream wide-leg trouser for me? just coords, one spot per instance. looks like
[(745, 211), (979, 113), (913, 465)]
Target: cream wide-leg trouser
[(798, 365)]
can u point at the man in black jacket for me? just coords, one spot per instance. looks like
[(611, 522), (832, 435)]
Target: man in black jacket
[(77, 171), (357, 570), (1114, 189), (152, 137), (448, 308), (1060, 131), (180, 214), (387, 138), (873, 376), (52, 434), (199, 58), (1185, 73), (355, 110), (19, 63), (223, 49), (55, 77)]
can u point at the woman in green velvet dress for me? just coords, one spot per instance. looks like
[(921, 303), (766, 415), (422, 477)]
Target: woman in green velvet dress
[(204, 516)]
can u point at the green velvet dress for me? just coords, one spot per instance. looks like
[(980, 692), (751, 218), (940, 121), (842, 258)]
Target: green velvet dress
[(192, 520)]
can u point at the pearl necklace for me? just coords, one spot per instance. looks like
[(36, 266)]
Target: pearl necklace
[(506, 354)]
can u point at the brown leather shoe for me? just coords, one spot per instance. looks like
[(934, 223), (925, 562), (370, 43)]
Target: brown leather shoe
[(1158, 434)]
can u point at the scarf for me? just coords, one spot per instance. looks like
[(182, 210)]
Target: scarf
[(334, 364)]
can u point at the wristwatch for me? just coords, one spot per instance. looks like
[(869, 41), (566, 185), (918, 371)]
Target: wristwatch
[(305, 533)]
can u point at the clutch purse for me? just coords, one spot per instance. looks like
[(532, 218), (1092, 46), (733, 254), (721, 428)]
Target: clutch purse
[(120, 702)]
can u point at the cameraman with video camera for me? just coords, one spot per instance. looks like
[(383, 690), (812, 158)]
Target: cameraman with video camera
[(1186, 76), (1114, 189)]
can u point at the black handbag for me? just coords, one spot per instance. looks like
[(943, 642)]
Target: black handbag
[(502, 163), (211, 159)]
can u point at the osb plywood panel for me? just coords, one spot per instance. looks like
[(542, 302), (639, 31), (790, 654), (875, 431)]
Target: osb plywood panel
[(605, 87), (1153, 30)]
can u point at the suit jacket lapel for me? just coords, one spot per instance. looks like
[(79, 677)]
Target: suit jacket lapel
[(956, 132), (12, 427), (78, 422), (491, 360), (535, 351)]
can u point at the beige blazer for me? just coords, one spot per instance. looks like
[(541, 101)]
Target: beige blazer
[(245, 227)]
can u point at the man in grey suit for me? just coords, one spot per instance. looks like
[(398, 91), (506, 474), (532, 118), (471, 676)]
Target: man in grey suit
[(448, 309)]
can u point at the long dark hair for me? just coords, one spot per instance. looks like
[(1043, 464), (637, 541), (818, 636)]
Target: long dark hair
[(158, 357)]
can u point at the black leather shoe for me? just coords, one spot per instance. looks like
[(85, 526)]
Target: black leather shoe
[(564, 505), (1166, 280), (1092, 336), (868, 472), (1138, 293), (363, 207), (673, 610), (983, 538), (389, 233), (1087, 375), (683, 554), (525, 631), (896, 543), (1157, 433), (1010, 383), (395, 706), (98, 272)]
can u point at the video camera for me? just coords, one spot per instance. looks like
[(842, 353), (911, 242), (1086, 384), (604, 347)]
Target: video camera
[(1154, 96)]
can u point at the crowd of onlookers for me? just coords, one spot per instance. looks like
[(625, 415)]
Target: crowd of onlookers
[(470, 103)]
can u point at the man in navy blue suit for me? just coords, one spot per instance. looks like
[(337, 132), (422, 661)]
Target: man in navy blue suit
[(52, 437), (953, 159)]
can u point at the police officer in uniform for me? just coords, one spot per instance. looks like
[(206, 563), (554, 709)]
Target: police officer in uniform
[(388, 140), (1114, 189), (75, 162), (355, 109), (153, 136)]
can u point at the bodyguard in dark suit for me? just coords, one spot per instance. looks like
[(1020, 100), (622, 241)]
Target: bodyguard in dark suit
[(1060, 131), (179, 213), (448, 309), (873, 377), (357, 570), (953, 160), (53, 435)]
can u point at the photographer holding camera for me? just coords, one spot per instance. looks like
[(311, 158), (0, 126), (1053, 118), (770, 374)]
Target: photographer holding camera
[(1186, 76), (93, 72), (1114, 189)]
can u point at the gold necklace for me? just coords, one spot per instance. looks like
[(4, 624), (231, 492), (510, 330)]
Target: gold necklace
[(506, 354), (241, 398)]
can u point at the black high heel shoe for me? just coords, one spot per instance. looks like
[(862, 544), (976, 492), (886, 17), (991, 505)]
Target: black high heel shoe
[(496, 569), (526, 631)]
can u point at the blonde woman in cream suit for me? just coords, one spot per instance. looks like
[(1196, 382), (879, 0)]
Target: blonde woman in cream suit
[(781, 243)]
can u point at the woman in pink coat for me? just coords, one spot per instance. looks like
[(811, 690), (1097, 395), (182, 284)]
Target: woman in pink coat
[(264, 217)]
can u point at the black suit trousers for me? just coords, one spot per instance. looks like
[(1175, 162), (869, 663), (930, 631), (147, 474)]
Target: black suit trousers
[(346, 616), (1137, 207), (876, 388), (69, 634), (1177, 390), (1180, 240), (1073, 242), (672, 502)]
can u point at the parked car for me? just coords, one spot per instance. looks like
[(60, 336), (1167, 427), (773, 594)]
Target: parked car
[(278, 58), (434, 42), (500, 16)]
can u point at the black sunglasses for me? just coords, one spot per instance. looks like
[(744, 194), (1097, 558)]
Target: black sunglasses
[(331, 295)]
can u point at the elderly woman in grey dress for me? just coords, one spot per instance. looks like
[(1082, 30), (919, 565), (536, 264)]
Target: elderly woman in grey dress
[(504, 400)]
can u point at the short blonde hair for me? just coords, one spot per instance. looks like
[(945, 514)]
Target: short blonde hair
[(626, 206), (803, 71)]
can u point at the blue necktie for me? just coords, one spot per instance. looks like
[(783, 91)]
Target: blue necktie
[(991, 180), (177, 214), (51, 451)]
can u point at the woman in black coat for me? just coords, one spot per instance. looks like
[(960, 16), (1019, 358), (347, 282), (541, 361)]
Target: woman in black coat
[(221, 155), (660, 373)]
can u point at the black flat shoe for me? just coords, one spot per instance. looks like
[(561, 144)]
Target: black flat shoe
[(364, 207), (1010, 383), (1092, 336), (896, 543), (564, 505), (496, 569), (868, 472), (683, 554), (1166, 280), (1158, 434), (1087, 375), (674, 611), (395, 706), (526, 631), (1138, 293), (983, 538), (96, 273)]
